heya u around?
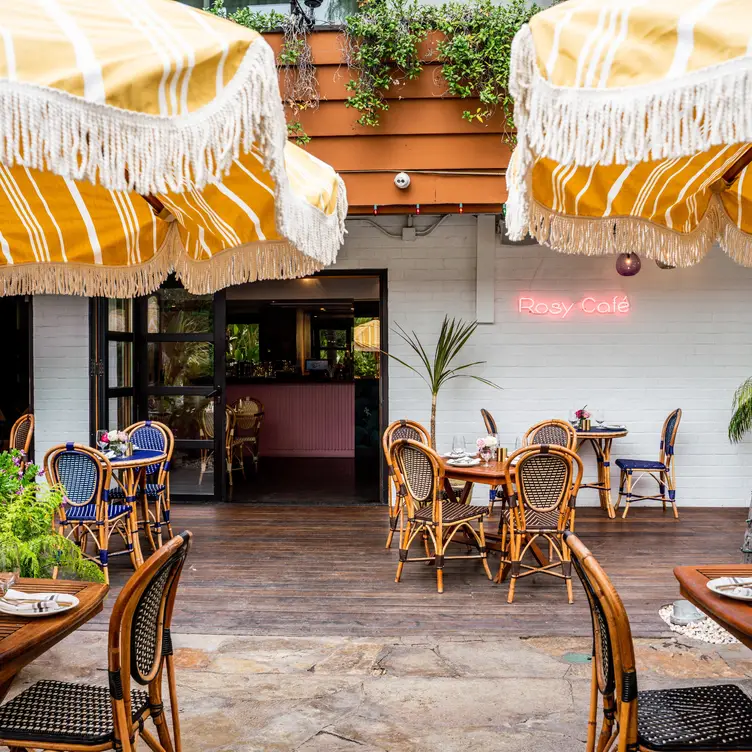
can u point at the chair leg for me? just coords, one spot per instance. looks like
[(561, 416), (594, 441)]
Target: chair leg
[(147, 521), (622, 478), (515, 541), (404, 538), (439, 532), (172, 688), (672, 494), (484, 553), (103, 553), (662, 487), (566, 567), (629, 493), (505, 553)]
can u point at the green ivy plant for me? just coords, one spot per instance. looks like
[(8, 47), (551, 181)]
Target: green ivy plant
[(474, 47), (28, 542)]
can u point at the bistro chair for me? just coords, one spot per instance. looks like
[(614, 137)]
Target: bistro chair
[(661, 471), (56, 715), (84, 474), (249, 415), (21, 434), (399, 429), (553, 432), (716, 717), (206, 432), (420, 480), (541, 494), (489, 422), (149, 434)]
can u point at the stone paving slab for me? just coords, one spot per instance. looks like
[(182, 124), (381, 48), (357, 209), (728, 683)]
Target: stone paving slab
[(401, 694)]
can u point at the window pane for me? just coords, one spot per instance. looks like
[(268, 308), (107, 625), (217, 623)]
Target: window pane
[(180, 363), (119, 364), (119, 315), (172, 310), (243, 343), (192, 471), (120, 412), (333, 338), (189, 417), (366, 364)]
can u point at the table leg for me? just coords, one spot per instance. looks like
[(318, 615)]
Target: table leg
[(606, 481), (131, 482)]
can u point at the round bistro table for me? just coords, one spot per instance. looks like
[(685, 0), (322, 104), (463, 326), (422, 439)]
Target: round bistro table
[(132, 470), (600, 439)]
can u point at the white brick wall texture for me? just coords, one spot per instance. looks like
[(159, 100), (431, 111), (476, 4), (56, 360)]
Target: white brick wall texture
[(61, 371), (685, 343)]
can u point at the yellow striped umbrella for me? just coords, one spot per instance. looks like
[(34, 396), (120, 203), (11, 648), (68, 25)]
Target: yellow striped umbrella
[(140, 137), (634, 121)]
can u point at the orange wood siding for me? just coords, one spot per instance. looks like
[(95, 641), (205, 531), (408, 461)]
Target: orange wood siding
[(457, 162)]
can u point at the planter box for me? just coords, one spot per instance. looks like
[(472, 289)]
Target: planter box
[(451, 161)]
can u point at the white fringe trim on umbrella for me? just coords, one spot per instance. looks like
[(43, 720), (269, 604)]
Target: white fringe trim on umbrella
[(664, 119), (598, 236), (321, 234), (51, 130)]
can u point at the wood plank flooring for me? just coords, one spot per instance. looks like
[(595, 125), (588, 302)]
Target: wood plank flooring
[(317, 570)]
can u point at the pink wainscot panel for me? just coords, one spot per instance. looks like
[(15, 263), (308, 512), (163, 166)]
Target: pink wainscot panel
[(303, 420)]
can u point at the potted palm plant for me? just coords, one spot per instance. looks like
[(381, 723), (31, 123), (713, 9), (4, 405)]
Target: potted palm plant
[(739, 425), (440, 368)]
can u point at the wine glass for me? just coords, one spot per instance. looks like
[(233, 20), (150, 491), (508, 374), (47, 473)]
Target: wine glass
[(517, 442), (458, 446), (101, 443), (599, 416)]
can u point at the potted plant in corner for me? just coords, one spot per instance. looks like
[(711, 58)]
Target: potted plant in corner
[(440, 368), (739, 425), (29, 544)]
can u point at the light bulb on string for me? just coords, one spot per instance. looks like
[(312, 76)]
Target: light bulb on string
[(628, 264)]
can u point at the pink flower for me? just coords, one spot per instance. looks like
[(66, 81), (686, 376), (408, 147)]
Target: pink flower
[(480, 443), (106, 437)]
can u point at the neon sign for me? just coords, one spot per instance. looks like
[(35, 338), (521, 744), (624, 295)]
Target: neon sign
[(561, 309)]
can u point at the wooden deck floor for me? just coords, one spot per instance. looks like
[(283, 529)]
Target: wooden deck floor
[(270, 570)]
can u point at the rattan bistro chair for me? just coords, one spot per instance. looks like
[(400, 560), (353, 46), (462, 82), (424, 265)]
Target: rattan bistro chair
[(149, 434), (489, 422), (21, 433), (249, 415), (420, 478), (85, 474), (542, 494), (553, 432), (399, 429), (661, 471), (206, 431), (56, 715), (717, 717)]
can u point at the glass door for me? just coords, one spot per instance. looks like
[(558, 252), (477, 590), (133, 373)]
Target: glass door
[(181, 376)]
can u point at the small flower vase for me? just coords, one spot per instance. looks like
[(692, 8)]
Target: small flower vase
[(585, 424)]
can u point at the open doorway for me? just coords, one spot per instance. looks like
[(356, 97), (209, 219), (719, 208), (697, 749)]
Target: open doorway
[(15, 376), (308, 354)]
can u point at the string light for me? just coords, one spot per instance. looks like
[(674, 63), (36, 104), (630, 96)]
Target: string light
[(375, 209), (417, 208), (461, 209)]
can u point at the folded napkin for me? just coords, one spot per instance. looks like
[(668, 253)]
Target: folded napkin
[(35, 603)]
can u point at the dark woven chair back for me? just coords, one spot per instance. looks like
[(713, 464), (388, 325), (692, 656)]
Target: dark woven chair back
[(552, 432), (207, 420), (21, 433), (139, 633), (489, 421), (668, 435), (249, 413), (402, 429), (417, 469), (83, 473), (149, 434), (544, 477)]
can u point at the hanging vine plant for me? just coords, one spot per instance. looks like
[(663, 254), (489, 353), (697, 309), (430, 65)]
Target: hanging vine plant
[(474, 45), (295, 59)]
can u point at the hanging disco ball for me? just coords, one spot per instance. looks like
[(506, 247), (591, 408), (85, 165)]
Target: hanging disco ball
[(628, 264)]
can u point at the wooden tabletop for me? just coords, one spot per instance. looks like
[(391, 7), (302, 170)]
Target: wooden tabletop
[(601, 433), (22, 639), (731, 614), (492, 474)]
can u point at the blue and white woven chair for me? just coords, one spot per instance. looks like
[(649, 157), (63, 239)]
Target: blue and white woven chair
[(84, 475), (149, 434), (662, 471)]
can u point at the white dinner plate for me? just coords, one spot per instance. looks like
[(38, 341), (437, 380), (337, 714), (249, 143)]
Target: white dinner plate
[(5, 609), (467, 462), (739, 588)]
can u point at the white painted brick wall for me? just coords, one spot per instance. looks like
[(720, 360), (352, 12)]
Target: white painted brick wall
[(61, 371), (686, 343)]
